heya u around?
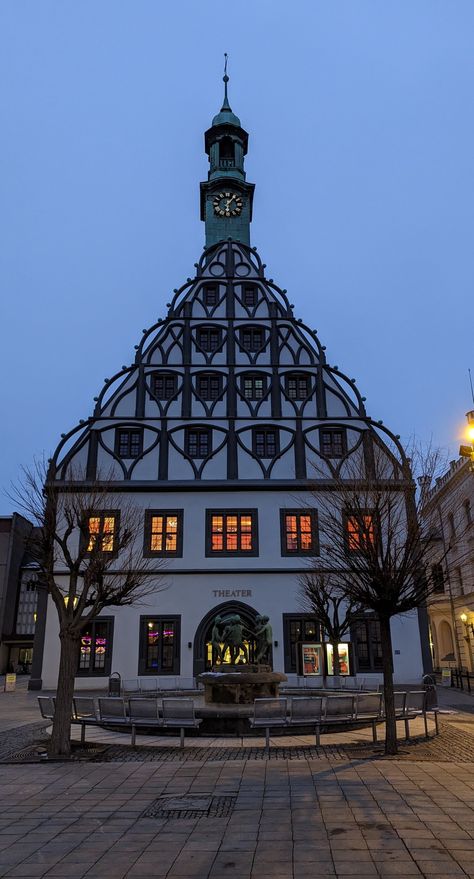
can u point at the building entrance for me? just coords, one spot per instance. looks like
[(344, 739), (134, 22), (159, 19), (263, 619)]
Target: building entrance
[(205, 654)]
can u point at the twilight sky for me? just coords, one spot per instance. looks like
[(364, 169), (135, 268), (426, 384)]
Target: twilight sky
[(362, 151)]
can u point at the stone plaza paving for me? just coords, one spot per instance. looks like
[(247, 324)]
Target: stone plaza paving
[(233, 811)]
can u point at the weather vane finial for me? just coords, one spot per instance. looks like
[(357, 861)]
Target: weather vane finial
[(225, 105)]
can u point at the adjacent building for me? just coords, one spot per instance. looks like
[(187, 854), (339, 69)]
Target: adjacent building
[(18, 595), (222, 431), (449, 514)]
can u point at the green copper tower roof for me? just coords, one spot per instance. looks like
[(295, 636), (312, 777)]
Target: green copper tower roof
[(226, 116)]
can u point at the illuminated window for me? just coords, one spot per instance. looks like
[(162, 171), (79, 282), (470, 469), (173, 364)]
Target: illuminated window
[(265, 442), (163, 533), (198, 442), (299, 532), (164, 385), (360, 531), (102, 531), (95, 655), (128, 442), (209, 339), (209, 386), (159, 645), (232, 532), (253, 386), (252, 338), (333, 442), (297, 386), (249, 296), (210, 295)]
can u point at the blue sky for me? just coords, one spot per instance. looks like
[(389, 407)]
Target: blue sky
[(362, 151)]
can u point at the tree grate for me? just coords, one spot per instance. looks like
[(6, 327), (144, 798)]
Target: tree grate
[(191, 806)]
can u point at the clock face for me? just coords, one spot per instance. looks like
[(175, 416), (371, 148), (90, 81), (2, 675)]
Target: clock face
[(227, 204)]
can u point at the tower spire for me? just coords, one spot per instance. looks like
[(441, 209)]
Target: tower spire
[(225, 104)]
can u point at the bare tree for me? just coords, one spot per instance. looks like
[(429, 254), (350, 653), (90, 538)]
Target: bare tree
[(89, 558), (372, 543), (332, 608)]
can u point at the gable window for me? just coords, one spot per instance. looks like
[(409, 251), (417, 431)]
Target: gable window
[(102, 531), (437, 578), (367, 644), (265, 442), (198, 442), (209, 338), (210, 294), (164, 385), (249, 295), (159, 645), (128, 442), (299, 532), (231, 532), (297, 386), (298, 628), (333, 442), (163, 533), (360, 531), (95, 657), (253, 386), (209, 386), (252, 338)]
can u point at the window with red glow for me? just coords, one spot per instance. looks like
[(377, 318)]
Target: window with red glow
[(163, 532), (299, 532), (360, 532)]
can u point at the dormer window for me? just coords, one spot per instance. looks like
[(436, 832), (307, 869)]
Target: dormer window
[(209, 386), (297, 386), (253, 386), (252, 338), (210, 295), (265, 442), (209, 339), (164, 385), (129, 442), (333, 442), (249, 295)]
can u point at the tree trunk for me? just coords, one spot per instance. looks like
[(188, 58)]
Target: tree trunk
[(336, 665), (391, 746), (60, 744)]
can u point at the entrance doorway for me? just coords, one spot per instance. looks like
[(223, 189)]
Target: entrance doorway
[(205, 656)]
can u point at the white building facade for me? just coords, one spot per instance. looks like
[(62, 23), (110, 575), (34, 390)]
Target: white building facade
[(223, 431)]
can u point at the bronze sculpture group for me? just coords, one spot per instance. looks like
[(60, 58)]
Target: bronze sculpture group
[(231, 634)]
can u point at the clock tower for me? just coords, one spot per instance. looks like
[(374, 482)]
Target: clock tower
[(226, 197)]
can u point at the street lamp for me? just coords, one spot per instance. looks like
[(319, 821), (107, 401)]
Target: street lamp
[(467, 450)]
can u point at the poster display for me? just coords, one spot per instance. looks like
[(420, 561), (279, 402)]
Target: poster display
[(344, 666), (312, 659), (10, 683)]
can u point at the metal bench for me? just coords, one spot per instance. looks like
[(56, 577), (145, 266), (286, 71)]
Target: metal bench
[(84, 713), (178, 713), (268, 713), (368, 709), (112, 711), (339, 709), (47, 705), (307, 711), (130, 685), (143, 712)]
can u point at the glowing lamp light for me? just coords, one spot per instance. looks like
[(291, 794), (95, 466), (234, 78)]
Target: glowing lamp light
[(463, 617), (74, 603), (470, 433)]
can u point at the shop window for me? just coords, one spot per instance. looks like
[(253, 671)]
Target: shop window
[(359, 531), (209, 386), (211, 295), (164, 385), (367, 644), (128, 442), (95, 656), (297, 386), (333, 442), (163, 533), (209, 339), (299, 532), (253, 386), (102, 531), (265, 442), (252, 338), (232, 533), (198, 442), (159, 645), (298, 629)]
